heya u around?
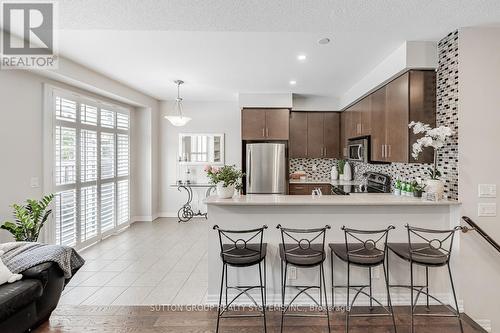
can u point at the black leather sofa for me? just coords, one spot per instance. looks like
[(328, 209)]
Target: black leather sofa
[(27, 303)]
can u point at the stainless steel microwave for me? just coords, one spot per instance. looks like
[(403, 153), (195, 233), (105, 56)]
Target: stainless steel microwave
[(358, 150)]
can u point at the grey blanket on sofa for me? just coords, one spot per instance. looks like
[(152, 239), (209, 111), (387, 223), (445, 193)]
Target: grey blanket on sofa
[(20, 256)]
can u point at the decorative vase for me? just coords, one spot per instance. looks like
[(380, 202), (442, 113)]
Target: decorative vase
[(334, 174), (417, 194), (436, 187), (224, 192), (347, 171)]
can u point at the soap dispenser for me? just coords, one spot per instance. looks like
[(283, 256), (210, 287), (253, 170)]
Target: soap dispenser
[(347, 171)]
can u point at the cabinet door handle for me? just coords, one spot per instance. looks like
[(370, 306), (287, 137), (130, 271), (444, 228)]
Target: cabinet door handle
[(267, 132), (325, 151), (383, 151), (389, 150), (263, 132)]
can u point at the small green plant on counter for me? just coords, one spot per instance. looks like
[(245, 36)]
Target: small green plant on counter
[(340, 166), (29, 219), (418, 187)]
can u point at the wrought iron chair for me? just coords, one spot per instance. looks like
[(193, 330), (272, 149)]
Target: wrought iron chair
[(427, 248), (303, 248), (242, 248), (367, 249)]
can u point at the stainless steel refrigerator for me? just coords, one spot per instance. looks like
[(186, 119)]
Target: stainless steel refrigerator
[(265, 168)]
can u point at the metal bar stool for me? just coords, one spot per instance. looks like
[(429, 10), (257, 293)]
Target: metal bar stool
[(242, 248), (427, 248), (303, 248), (367, 249)]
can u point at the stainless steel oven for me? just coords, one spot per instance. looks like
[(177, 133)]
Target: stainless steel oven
[(358, 150)]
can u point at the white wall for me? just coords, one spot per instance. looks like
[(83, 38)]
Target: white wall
[(479, 142), (21, 133), (207, 117), (410, 55)]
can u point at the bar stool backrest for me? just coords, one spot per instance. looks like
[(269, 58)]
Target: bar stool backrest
[(431, 243), (241, 243), (303, 242), (366, 243)]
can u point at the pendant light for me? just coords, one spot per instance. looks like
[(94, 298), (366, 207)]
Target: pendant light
[(176, 117)]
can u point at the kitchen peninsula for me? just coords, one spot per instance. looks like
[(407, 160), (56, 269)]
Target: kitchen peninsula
[(363, 211)]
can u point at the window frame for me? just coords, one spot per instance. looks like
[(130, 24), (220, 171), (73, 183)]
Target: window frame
[(50, 122)]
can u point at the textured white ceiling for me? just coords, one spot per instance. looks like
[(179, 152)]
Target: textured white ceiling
[(222, 47)]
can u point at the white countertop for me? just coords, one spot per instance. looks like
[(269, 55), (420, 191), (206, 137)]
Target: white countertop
[(361, 199), (325, 181)]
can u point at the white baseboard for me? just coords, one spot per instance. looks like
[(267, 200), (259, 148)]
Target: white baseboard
[(167, 214), (141, 219), (340, 300), (484, 323)]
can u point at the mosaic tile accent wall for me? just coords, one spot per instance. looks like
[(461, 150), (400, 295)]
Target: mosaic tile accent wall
[(447, 115)]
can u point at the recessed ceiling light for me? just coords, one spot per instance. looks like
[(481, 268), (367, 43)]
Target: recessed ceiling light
[(324, 41), (301, 57), (293, 82)]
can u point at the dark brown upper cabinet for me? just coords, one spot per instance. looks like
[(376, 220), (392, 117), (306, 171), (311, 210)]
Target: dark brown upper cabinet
[(358, 121), (410, 97), (314, 134), (265, 124), (384, 115), (331, 138), (298, 134)]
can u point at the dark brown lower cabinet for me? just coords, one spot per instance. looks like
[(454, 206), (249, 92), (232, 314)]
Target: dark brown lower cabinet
[(306, 189)]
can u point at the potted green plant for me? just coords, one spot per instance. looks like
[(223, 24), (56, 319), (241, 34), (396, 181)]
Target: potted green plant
[(29, 219), (418, 188), (340, 168), (226, 179)]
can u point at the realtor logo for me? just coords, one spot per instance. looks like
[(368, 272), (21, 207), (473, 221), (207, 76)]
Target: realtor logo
[(28, 39)]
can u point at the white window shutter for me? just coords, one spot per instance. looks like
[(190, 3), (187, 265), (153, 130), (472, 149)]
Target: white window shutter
[(65, 155), (88, 114), (108, 118), (123, 202), (122, 121), (88, 158), (91, 168), (65, 218), (107, 155), (65, 109), (88, 212), (123, 155), (107, 206)]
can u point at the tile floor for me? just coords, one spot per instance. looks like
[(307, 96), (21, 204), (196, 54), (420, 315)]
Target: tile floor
[(160, 262)]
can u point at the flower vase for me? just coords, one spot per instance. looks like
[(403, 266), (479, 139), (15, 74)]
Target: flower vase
[(224, 192), (436, 187)]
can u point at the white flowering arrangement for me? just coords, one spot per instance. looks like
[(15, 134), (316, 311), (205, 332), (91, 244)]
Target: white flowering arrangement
[(433, 137)]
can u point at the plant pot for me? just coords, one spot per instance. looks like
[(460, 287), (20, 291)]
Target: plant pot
[(224, 192), (417, 194), (436, 187)]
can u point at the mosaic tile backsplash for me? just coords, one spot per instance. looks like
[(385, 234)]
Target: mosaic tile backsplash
[(447, 115)]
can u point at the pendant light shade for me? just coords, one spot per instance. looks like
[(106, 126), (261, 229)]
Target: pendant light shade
[(176, 117)]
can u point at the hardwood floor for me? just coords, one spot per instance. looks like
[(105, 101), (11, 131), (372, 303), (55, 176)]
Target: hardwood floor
[(144, 319)]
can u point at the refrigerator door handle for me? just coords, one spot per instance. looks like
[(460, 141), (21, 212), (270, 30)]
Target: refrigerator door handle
[(249, 172)]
